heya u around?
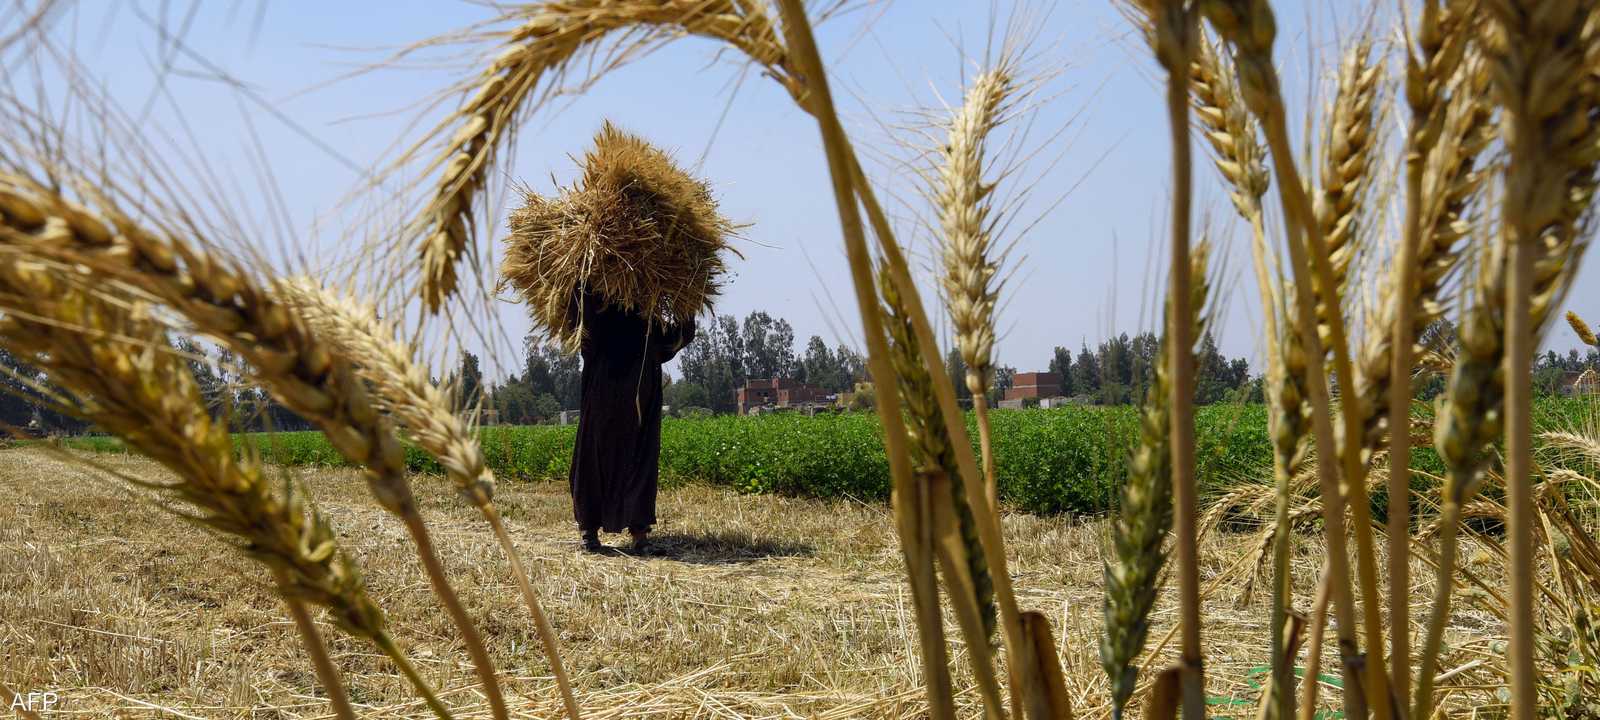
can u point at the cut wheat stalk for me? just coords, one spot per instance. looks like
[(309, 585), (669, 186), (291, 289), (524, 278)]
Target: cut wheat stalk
[(1026, 665), (970, 266), (1249, 26), (405, 389), (842, 170), (1233, 135), (1175, 33), (949, 515), (113, 360), (1540, 56), (221, 300), (1143, 520), (548, 37), (1441, 43)]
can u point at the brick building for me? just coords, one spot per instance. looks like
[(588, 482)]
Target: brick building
[(1034, 385), (777, 393)]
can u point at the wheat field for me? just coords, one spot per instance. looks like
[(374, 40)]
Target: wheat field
[(762, 607), (1318, 590)]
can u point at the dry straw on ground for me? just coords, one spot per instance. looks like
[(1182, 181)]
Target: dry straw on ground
[(636, 229)]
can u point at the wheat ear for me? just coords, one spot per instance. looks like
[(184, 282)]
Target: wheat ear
[(1140, 528), (970, 265), (223, 301), (1472, 412), (1451, 182), (1351, 139), (114, 364), (1582, 329), (404, 388), (1234, 137), (1542, 59), (933, 461), (1030, 691), (1441, 46), (1250, 27), (547, 38)]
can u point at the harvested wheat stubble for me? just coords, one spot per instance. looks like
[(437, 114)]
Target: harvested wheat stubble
[(770, 607), (636, 229)]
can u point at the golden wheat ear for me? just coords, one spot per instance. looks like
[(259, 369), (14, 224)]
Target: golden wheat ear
[(969, 256), (221, 300), (403, 387), (1542, 59), (533, 47), (1249, 27), (116, 364)]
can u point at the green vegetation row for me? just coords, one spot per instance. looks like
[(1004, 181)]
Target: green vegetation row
[(1049, 461)]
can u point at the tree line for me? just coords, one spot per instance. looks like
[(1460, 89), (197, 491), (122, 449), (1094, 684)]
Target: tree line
[(1119, 371)]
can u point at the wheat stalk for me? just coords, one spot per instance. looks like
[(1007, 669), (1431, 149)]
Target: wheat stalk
[(1442, 42), (1233, 134), (1143, 521), (970, 266), (1542, 59), (114, 362), (1174, 33), (547, 38), (1451, 182), (933, 461), (915, 536), (1250, 27), (223, 301), (405, 389)]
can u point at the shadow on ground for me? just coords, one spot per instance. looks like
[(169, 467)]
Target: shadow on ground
[(721, 548)]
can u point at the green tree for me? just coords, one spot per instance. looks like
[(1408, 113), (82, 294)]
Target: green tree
[(469, 380), (546, 407), (957, 368), (1061, 366), (1086, 373)]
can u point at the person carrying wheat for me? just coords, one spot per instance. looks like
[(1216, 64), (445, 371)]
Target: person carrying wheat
[(615, 458), (616, 268)]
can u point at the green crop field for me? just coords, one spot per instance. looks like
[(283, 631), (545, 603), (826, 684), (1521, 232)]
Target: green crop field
[(1059, 460)]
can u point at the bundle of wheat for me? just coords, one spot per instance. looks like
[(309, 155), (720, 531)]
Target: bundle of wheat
[(636, 229)]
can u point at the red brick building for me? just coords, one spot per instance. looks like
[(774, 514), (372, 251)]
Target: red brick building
[(1035, 385), (776, 393)]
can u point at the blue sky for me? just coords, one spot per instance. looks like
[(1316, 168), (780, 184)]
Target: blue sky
[(1091, 261)]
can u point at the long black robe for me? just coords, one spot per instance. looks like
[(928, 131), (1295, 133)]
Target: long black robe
[(615, 465)]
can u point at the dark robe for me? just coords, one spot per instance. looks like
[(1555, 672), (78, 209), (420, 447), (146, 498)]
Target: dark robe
[(615, 460)]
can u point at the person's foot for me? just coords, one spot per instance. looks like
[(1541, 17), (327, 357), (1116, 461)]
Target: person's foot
[(591, 541), (641, 541)]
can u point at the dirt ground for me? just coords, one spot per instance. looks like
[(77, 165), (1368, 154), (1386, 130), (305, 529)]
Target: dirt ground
[(760, 606)]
